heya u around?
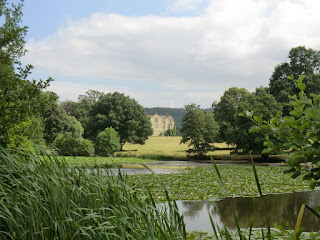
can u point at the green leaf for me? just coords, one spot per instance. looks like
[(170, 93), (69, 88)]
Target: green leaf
[(249, 113), (295, 113), (258, 118), (255, 129), (301, 85), (295, 174), (313, 185), (266, 151)]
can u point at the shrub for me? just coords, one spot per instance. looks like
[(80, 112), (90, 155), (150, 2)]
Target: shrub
[(73, 146), (107, 142)]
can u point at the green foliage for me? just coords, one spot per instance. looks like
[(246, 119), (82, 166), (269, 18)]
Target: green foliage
[(20, 99), (298, 134), (171, 132), (107, 142), (20, 133), (69, 145), (122, 113), (44, 198), (226, 110), (304, 61), (199, 129), (56, 120), (234, 129), (80, 110)]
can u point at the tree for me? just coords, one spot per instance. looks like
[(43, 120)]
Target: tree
[(199, 129), (122, 113), (235, 129), (171, 131), (20, 99), (107, 142), (227, 109), (80, 109), (56, 120), (263, 104), (302, 61), (298, 134)]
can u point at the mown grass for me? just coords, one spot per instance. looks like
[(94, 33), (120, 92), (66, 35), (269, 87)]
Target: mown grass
[(169, 147), (203, 183)]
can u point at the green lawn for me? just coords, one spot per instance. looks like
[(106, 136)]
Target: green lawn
[(165, 146)]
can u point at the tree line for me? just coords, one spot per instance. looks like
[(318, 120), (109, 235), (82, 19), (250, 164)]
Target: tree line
[(265, 102), (98, 120)]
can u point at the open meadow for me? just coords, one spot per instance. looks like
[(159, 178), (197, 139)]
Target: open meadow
[(166, 147)]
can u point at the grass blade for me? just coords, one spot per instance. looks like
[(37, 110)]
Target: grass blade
[(297, 228), (260, 192), (313, 211), (213, 226), (225, 189)]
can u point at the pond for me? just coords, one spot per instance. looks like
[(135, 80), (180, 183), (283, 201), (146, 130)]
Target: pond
[(281, 209), (167, 167), (159, 167)]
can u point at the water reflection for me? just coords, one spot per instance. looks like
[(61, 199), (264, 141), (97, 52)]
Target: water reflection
[(281, 209), (134, 169)]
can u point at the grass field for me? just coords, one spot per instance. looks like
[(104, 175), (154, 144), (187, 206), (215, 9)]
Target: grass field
[(165, 146)]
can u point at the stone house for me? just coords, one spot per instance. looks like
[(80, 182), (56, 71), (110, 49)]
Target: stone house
[(161, 123)]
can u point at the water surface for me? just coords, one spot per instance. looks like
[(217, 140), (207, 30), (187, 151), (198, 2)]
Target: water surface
[(281, 209)]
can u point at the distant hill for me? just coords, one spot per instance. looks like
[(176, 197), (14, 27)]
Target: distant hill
[(176, 113)]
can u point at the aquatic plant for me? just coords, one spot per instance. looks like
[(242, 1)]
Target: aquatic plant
[(44, 198)]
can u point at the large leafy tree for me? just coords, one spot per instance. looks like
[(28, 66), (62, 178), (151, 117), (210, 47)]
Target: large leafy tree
[(81, 109), (302, 60), (20, 99), (199, 129), (226, 110), (56, 120), (262, 104), (236, 128), (122, 113)]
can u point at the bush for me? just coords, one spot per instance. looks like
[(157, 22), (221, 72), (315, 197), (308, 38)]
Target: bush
[(107, 142), (73, 146)]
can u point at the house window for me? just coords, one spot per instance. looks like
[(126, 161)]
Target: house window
[(156, 120)]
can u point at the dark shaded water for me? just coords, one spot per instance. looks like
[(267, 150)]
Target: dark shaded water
[(281, 209)]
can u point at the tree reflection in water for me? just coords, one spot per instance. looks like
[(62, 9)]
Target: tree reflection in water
[(282, 209)]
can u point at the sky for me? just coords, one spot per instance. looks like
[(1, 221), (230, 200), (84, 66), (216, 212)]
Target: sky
[(164, 53)]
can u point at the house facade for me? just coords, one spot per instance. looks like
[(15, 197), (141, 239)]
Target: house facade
[(161, 123)]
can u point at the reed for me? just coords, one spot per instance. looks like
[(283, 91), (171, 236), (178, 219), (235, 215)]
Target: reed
[(44, 198)]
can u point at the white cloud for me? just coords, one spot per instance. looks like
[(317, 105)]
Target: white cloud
[(234, 43)]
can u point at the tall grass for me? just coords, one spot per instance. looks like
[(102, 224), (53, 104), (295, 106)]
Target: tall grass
[(44, 198)]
